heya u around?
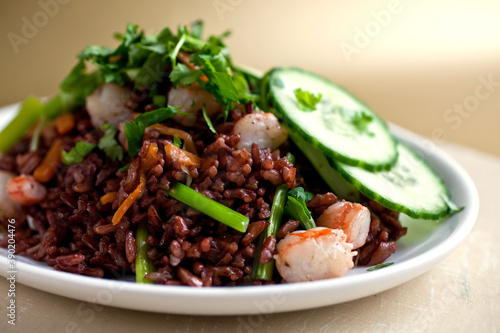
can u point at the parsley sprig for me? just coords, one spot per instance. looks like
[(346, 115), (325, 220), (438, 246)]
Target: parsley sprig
[(306, 101)]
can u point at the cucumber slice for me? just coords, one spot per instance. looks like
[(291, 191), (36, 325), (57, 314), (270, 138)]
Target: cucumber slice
[(410, 186), (332, 178), (341, 126)]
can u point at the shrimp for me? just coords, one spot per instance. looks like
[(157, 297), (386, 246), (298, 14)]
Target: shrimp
[(352, 218), (314, 254), (191, 100), (260, 128), (25, 190), (8, 207), (107, 105)]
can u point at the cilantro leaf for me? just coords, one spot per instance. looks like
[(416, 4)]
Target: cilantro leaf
[(177, 141), (207, 119), (300, 194), (123, 168), (306, 100), (296, 207), (108, 143), (379, 266), (134, 130), (181, 74), (153, 70), (77, 153), (298, 210), (159, 100), (361, 120), (197, 29)]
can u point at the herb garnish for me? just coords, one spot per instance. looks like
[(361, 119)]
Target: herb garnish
[(108, 143), (134, 130), (77, 153), (379, 266), (207, 119), (306, 100), (296, 207)]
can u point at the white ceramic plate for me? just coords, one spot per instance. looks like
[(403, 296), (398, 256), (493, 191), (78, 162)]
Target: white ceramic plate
[(426, 243)]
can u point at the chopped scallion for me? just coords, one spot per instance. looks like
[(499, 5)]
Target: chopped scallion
[(209, 207)]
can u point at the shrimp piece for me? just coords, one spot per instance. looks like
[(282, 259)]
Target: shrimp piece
[(352, 218), (107, 105), (314, 254), (8, 207), (25, 190), (191, 100), (260, 128)]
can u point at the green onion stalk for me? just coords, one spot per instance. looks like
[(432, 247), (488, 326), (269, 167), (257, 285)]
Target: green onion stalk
[(265, 271), (209, 207), (143, 265)]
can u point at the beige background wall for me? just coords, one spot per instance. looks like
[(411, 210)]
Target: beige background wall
[(421, 64)]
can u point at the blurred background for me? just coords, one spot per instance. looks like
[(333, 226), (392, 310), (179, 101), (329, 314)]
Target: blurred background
[(430, 66)]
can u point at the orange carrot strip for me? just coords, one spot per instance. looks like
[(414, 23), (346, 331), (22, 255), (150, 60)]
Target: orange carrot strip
[(185, 58), (183, 157), (129, 201), (108, 198), (65, 123), (48, 168), (188, 139), (151, 158)]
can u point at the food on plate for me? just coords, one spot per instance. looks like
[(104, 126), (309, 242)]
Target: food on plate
[(169, 162)]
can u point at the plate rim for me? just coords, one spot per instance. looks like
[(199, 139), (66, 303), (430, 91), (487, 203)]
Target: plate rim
[(261, 299)]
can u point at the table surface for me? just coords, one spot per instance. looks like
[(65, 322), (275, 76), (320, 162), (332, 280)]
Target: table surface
[(461, 293)]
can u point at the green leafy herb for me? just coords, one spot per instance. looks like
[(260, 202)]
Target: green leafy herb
[(181, 74), (207, 119), (297, 209), (123, 168), (197, 29), (379, 266), (160, 100), (300, 194), (177, 141), (306, 100), (108, 143), (361, 120), (77, 153), (134, 130)]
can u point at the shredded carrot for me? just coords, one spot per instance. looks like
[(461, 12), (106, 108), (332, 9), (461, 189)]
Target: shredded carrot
[(115, 58), (48, 168), (65, 123), (183, 157), (129, 201), (188, 139), (185, 58), (108, 198), (151, 158)]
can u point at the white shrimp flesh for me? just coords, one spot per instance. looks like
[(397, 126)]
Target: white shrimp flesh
[(25, 190), (8, 207), (107, 104), (260, 128), (352, 218), (315, 254), (191, 99)]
